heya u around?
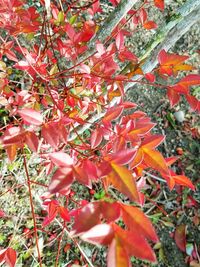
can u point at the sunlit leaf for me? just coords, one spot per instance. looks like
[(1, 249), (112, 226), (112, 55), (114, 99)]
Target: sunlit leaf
[(100, 234), (123, 180), (134, 218), (31, 116)]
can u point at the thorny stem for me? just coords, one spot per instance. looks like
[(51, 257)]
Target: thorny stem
[(32, 209)]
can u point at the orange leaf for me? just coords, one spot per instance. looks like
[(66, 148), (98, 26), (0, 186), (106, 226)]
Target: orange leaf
[(169, 59), (11, 152), (123, 180), (142, 129), (113, 113), (117, 255), (155, 160), (150, 25), (184, 181), (137, 159), (134, 218), (152, 141), (159, 4)]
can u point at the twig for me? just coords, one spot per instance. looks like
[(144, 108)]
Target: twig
[(32, 210)]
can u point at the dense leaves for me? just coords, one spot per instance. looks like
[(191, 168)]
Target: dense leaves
[(52, 91)]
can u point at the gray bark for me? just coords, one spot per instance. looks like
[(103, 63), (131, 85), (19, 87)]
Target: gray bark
[(111, 22), (188, 15)]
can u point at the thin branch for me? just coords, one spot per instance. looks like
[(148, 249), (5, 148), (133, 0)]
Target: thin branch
[(32, 210)]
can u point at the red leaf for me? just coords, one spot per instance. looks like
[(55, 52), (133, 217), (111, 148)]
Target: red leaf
[(128, 105), (2, 214), (150, 77), (52, 212), (112, 114), (122, 157), (159, 4), (89, 216), (173, 96), (61, 159), (96, 138), (82, 176), (31, 140), (110, 211), (64, 213), (11, 257), (101, 234), (13, 136), (171, 160), (152, 141), (143, 15), (31, 116), (189, 80), (130, 241), (194, 102), (149, 25), (134, 218), (50, 134), (91, 169), (61, 181), (180, 237)]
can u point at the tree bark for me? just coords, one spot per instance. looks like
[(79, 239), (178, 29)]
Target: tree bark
[(187, 16), (111, 22)]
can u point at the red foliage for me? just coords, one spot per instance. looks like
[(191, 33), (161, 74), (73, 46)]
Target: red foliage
[(52, 116)]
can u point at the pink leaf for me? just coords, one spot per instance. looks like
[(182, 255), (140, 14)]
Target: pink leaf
[(31, 116), (120, 40), (2, 214), (101, 234), (61, 159), (96, 138), (61, 181)]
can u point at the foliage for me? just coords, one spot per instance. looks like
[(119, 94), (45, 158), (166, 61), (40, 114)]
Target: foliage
[(49, 91)]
